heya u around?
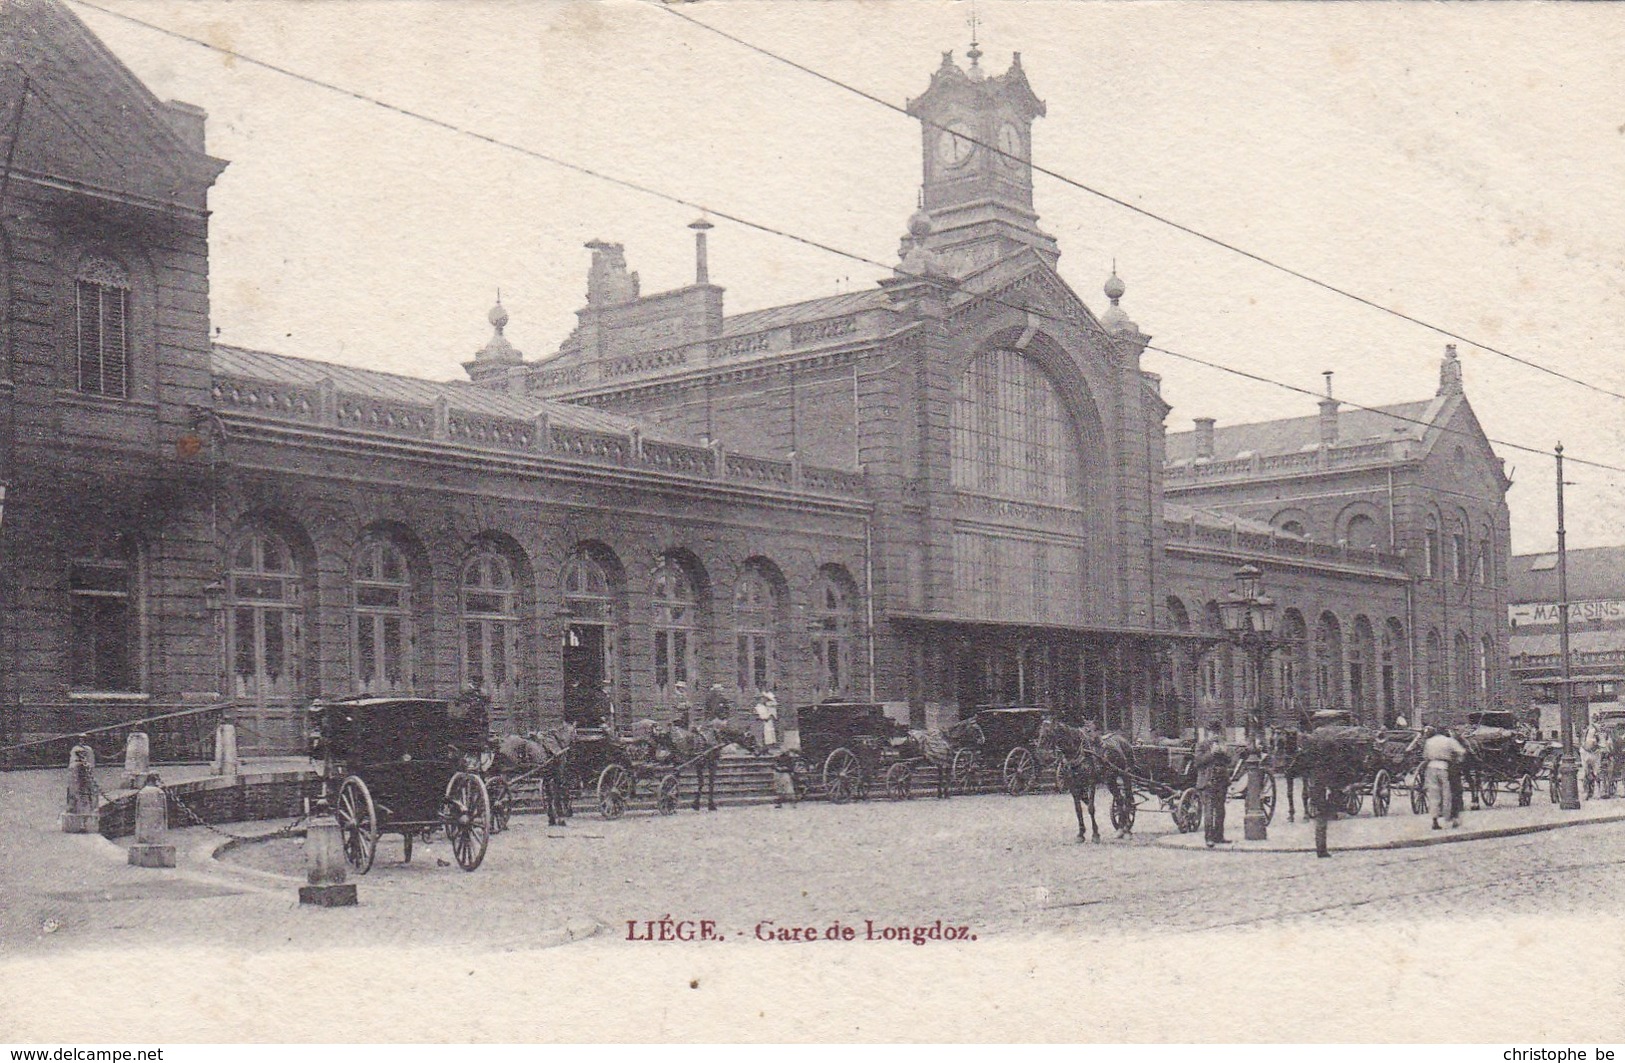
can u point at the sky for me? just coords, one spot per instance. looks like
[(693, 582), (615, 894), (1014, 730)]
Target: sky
[(1459, 163)]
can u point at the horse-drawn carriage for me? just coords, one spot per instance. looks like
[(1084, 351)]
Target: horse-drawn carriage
[(407, 766), (847, 746), (1164, 772), (1503, 759), (1003, 740)]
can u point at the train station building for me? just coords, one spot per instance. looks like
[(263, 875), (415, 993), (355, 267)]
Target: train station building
[(953, 489)]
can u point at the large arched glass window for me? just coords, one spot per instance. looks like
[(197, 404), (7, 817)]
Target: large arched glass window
[(756, 611), (833, 624), (265, 634), (1011, 434), (490, 627), (1393, 637), (104, 639), (1461, 682), (590, 657), (676, 629), (1328, 663), (383, 620), (1433, 673), (102, 327)]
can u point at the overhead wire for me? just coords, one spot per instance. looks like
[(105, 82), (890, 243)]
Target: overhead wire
[(773, 230), (1118, 201)]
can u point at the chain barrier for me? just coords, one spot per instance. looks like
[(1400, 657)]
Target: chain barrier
[(198, 821)]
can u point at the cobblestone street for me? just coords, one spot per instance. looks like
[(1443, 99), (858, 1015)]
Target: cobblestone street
[(1528, 919)]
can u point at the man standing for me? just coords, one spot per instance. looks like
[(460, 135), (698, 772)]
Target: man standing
[(1213, 784), (1439, 752)]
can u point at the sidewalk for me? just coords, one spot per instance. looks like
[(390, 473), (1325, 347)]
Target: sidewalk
[(1402, 829)]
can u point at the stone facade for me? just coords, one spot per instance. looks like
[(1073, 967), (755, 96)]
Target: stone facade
[(950, 490)]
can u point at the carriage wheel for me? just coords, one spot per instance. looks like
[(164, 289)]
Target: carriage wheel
[(614, 788), (1020, 769), (843, 775), (1063, 776), (358, 824), (1353, 799), (1419, 793), (466, 814), (501, 803), (1123, 810), (1382, 790), (1526, 790), (1188, 812), (1487, 789), (899, 782), (1267, 797), (962, 769), (666, 798)]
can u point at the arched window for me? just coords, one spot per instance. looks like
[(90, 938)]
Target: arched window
[(1430, 548), (1433, 675), (833, 624), (1293, 527), (266, 633), (383, 620), (1328, 663), (1362, 533), (1291, 667), (756, 610), (1011, 434), (591, 640), (104, 617), (1393, 637), (1462, 681), (102, 328), (1361, 650), (676, 629), (490, 627)]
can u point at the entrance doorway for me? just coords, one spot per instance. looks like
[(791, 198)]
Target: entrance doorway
[(584, 660)]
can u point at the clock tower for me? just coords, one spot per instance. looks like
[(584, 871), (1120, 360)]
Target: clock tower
[(977, 145)]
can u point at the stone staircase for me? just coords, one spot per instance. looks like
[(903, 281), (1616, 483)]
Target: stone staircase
[(742, 779)]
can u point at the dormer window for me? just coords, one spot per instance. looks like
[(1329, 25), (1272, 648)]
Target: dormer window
[(102, 289)]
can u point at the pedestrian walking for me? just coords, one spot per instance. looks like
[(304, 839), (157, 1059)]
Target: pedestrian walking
[(1213, 784), (1439, 751), (1321, 756), (784, 778)]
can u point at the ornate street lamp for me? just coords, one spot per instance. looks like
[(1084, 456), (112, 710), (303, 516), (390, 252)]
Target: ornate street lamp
[(1248, 616)]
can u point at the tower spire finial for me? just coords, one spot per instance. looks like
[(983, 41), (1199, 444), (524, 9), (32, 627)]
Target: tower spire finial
[(975, 24)]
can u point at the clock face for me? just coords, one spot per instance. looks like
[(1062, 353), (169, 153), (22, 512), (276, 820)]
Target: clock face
[(954, 146), (1010, 144)]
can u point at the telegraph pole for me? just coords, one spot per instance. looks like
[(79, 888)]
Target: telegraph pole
[(1568, 773)]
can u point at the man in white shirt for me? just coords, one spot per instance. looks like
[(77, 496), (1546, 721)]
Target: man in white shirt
[(1439, 751)]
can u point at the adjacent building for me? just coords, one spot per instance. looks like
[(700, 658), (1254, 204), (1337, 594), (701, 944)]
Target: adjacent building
[(951, 490)]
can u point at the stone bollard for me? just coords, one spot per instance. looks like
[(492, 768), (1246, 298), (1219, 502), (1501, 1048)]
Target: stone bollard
[(225, 750), (136, 765), (324, 863), (83, 815), (151, 828)]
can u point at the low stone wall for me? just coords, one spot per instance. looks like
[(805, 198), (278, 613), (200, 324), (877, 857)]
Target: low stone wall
[(269, 795)]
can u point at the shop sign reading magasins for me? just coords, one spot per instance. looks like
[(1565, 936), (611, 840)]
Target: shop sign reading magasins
[(1534, 613)]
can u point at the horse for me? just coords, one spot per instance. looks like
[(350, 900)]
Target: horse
[(702, 745), (1286, 753), (544, 752), (933, 747), (1092, 758)]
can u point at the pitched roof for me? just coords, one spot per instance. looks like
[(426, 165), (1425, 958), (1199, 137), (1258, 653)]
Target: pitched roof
[(263, 365), (1218, 518), (1594, 573), (1296, 433), (809, 310)]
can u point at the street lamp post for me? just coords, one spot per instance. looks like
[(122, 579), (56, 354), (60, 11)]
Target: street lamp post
[(1568, 768), (1249, 619)]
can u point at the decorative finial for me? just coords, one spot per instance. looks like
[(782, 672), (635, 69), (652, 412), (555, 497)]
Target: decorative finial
[(498, 349), (498, 317), (975, 52), (1450, 372), (1114, 319)]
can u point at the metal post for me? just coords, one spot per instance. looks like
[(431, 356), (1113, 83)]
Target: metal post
[(1568, 768), (1254, 823)]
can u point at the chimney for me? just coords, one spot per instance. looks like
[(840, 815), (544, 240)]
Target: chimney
[(1204, 437), (1328, 414), (702, 269)]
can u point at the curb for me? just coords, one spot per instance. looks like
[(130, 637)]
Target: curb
[(1443, 838)]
